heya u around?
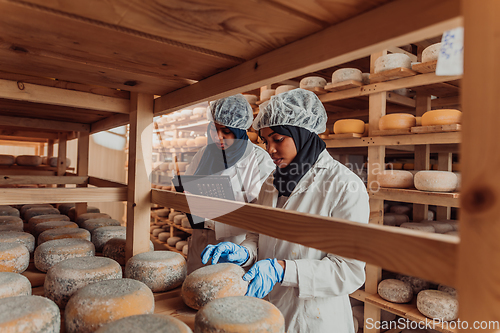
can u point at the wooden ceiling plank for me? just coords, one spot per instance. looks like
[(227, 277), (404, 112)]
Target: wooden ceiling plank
[(109, 123), (27, 134), (43, 124)]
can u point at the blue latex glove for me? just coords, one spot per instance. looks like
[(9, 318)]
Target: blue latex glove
[(225, 252), (263, 276)]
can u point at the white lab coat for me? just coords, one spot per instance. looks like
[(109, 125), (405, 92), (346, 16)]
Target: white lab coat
[(313, 295)]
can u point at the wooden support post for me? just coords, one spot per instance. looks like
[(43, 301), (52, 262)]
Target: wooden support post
[(82, 168), (139, 170), (444, 164), (50, 149), (41, 149), (61, 156)]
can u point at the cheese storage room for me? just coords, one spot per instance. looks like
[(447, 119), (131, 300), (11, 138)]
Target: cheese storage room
[(249, 166)]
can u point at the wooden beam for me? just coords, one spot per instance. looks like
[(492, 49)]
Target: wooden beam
[(429, 256), (10, 179), (416, 196), (27, 134), (82, 167), (19, 196), (100, 182), (109, 123), (399, 99), (428, 18), (445, 101), (43, 124), (61, 155)]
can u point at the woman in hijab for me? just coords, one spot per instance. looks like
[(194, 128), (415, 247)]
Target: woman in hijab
[(310, 287)]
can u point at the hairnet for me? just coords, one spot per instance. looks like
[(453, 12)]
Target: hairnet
[(297, 107), (233, 111)]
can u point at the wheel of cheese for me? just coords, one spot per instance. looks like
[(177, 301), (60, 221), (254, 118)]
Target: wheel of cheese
[(146, 323), (365, 78), (178, 219), (239, 314), (395, 179), (356, 323), (396, 121), (437, 305), (65, 207), (13, 284), (14, 257), (28, 160), (62, 233), (251, 99), (185, 249), (67, 277), (430, 215), (9, 211), (151, 228), (420, 226), (436, 181), (201, 140), (180, 245), (97, 304), (430, 53), (85, 216), (392, 61), (401, 209), (345, 126), (41, 227), (284, 88), (181, 142), (163, 212), (88, 216), (453, 223), (173, 240), (115, 249), (157, 231), (32, 212), (346, 74), (22, 238), (417, 284), (159, 270), (101, 235), (53, 162), (35, 220), (163, 236), (440, 227), (173, 214), (395, 291), (441, 117), (92, 224), (212, 282), (24, 208), (266, 94), (395, 219), (11, 223), (185, 223), (312, 82), (191, 143), (173, 143), (52, 252), (447, 289), (7, 160), (29, 314)]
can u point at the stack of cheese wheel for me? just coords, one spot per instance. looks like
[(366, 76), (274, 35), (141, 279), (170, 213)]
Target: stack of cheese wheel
[(97, 304), (146, 323), (29, 314), (7, 160), (90, 210), (88, 216), (239, 314), (14, 257), (345, 126), (251, 99), (61, 233), (174, 214), (178, 219), (68, 276), (180, 245), (11, 223), (92, 224), (35, 220), (436, 181), (285, 88), (201, 141), (41, 227), (395, 291), (22, 238), (312, 82), (395, 179), (53, 162), (28, 160), (159, 270), (185, 223), (100, 236), (52, 252), (13, 284), (266, 94), (396, 121), (392, 61), (171, 241), (437, 304), (395, 219), (441, 117), (347, 74), (211, 282), (431, 53), (115, 249), (9, 211)]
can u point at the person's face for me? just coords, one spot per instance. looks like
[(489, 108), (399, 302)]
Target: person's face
[(280, 147), (222, 136)]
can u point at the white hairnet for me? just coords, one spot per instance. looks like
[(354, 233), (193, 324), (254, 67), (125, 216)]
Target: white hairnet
[(233, 111), (297, 107)]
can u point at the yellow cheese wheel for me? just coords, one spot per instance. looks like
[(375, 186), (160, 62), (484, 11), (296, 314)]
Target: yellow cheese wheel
[(14, 257), (102, 302), (367, 130), (395, 179), (92, 224), (62, 233), (345, 126), (22, 238), (146, 323), (29, 314), (396, 121), (52, 252), (436, 181), (13, 284), (442, 117), (11, 223), (101, 235)]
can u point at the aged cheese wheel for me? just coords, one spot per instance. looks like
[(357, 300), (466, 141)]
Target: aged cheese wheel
[(344, 126), (11, 223), (437, 304), (266, 94), (28, 160), (8, 211), (151, 228), (157, 231), (50, 253), (346, 74), (159, 270), (200, 110), (440, 227), (29, 314), (239, 314), (392, 61), (13, 284), (420, 226), (285, 88), (400, 209), (97, 304), (395, 179), (453, 223), (173, 214), (173, 143), (251, 99), (101, 235), (201, 140), (67, 277), (163, 212), (88, 216), (180, 245), (417, 284), (365, 78), (173, 240), (7, 159), (182, 166), (441, 117), (396, 121), (22, 238), (41, 227), (312, 82), (191, 143), (185, 249), (53, 162), (430, 53), (32, 212), (396, 291), (447, 289), (185, 223), (436, 181), (24, 208), (61, 233), (146, 323), (163, 236), (65, 207), (92, 224), (14, 257), (115, 249), (394, 219), (32, 223), (211, 282), (178, 219)]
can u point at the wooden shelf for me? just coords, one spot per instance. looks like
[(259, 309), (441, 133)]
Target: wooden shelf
[(392, 74), (449, 199), (397, 140), (167, 221), (425, 67), (344, 85), (437, 128), (171, 303), (159, 245)]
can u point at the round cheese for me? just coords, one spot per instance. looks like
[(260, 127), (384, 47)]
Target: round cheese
[(201, 140), (163, 236), (365, 78), (173, 240), (92, 224), (421, 226), (173, 214), (417, 284), (251, 99), (67, 277), (431, 53), (392, 61), (157, 231), (7, 160), (65, 207), (396, 291), (181, 142), (178, 219), (115, 249), (185, 249), (173, 143), (450, 290), (61, 233), (41, 227), (284, 88), (24, 208), (14, 257), (440, 227), (395, 219), (101, 235), (163, 212), (345, 126), (29, 314), (180, 245), (401, 209), (8, 211), (53, 162), (146, 323), (13, 284), (395, 179), (436, 181), (212, 282), (28, 160), (346, 74), (88, 216), (11, 223), (52, 252), (312, 82), (185, 223), (441, 117), (32, 212), (266, 94), (32, 223), (22, 238), (159, 270), (356, 323), (97, 304), (395, 121), (90, 210), (437, 305), (239, 315)]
